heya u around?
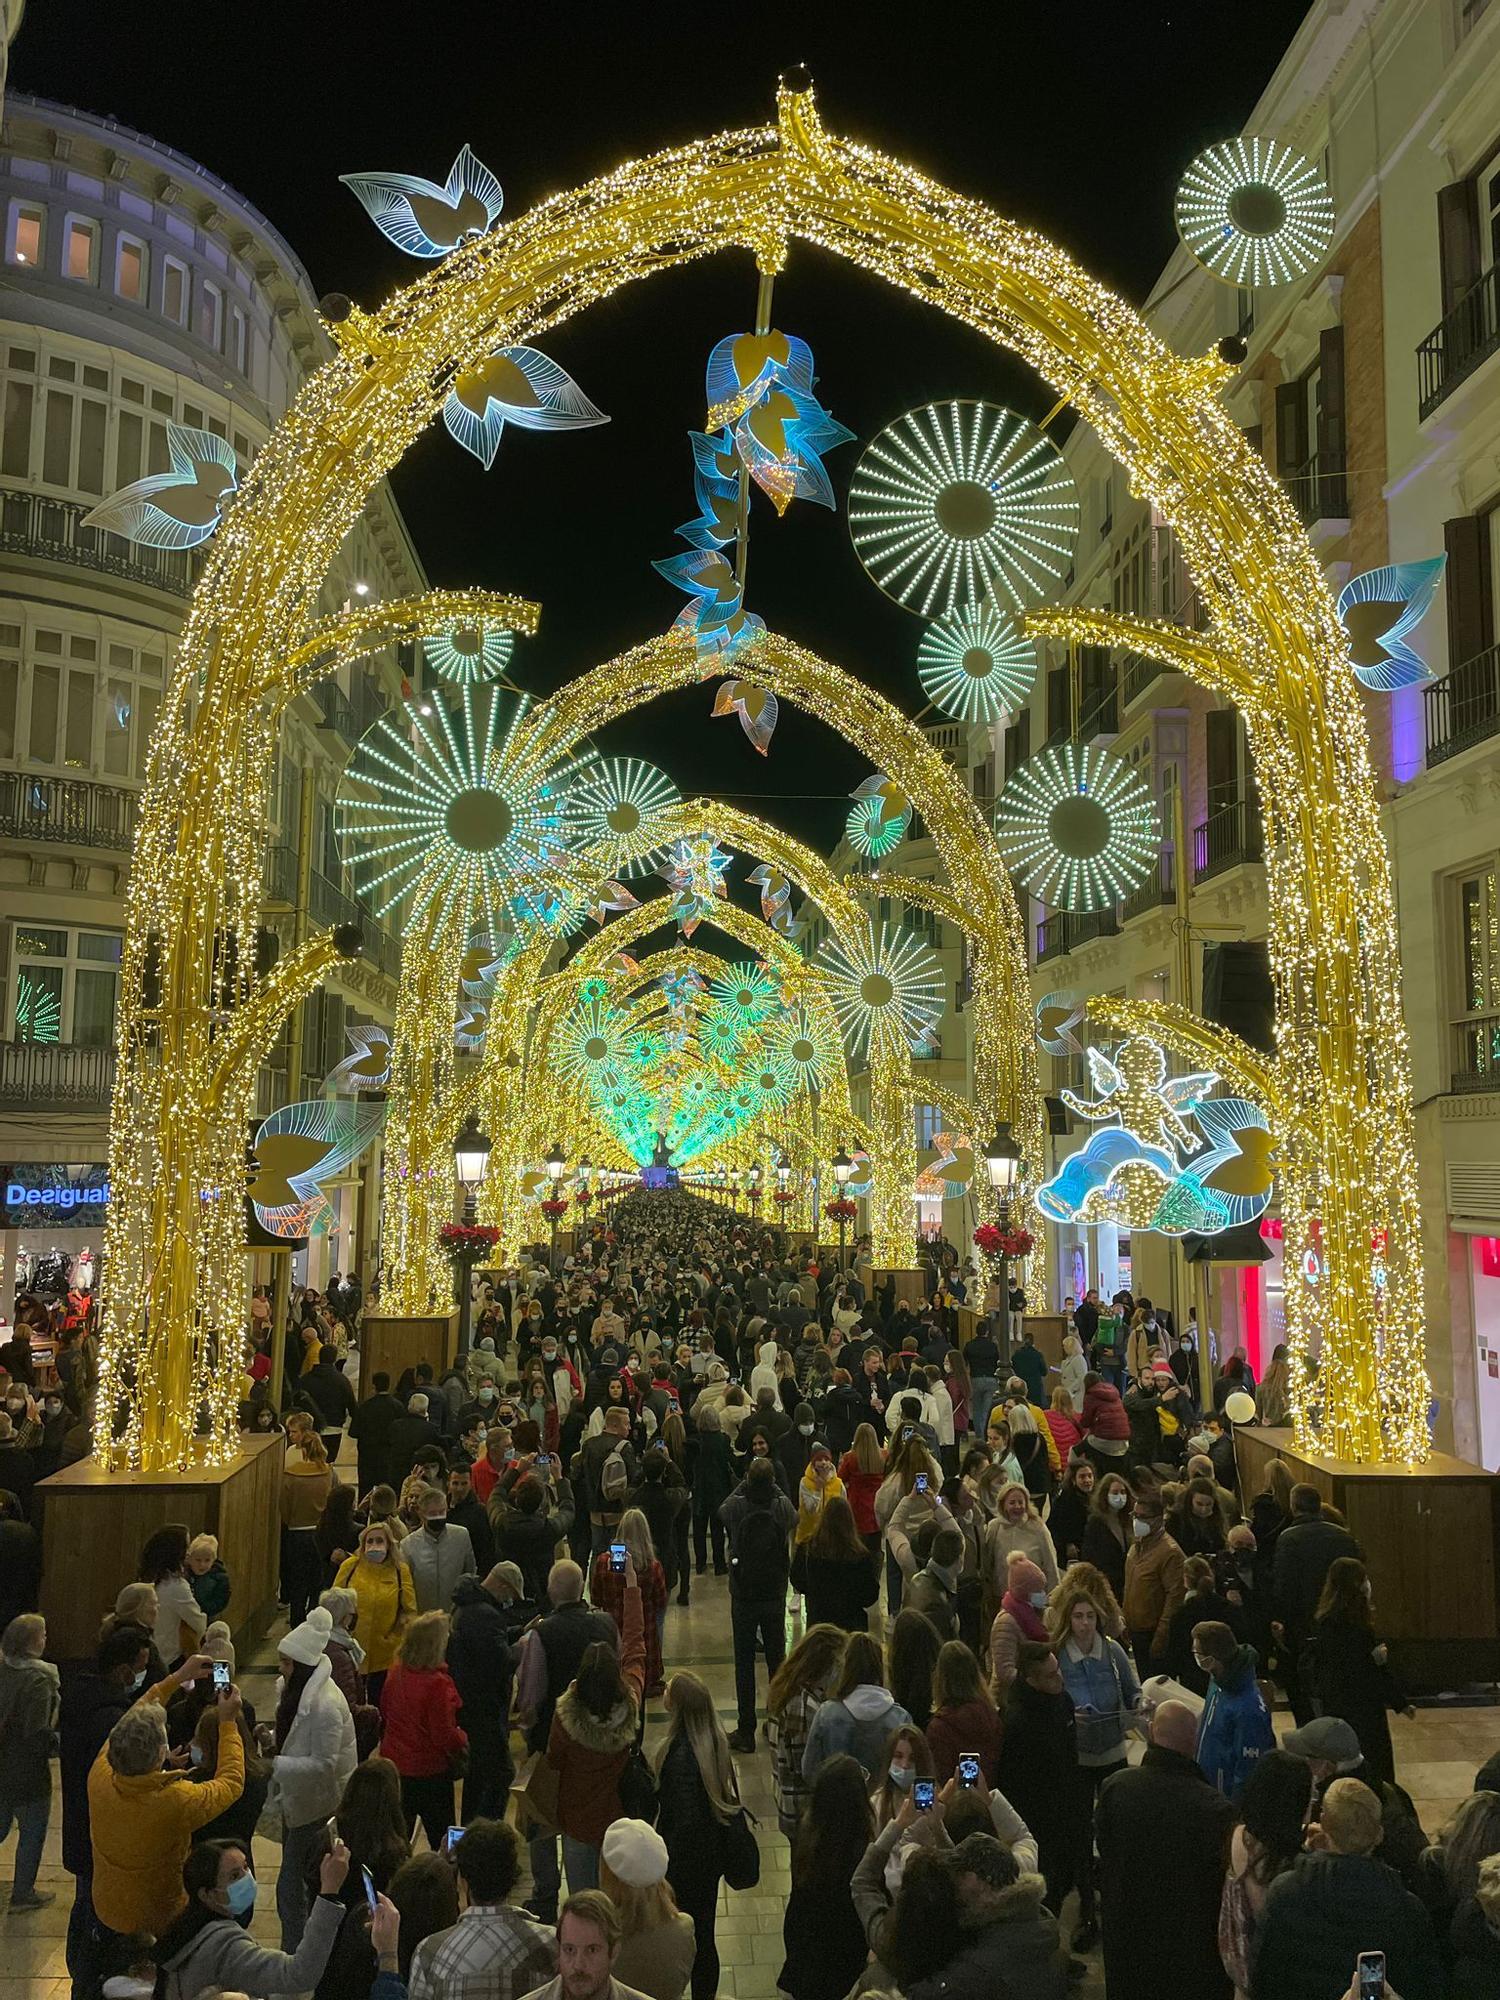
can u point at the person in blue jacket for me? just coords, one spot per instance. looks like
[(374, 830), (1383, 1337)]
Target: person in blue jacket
[(1235, 1730)]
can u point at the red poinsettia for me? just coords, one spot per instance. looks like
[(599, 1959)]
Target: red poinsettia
[(584, 1196), (785, 1196), (554, 1206), (997, 1242), (467, 1238), (841, 1210)]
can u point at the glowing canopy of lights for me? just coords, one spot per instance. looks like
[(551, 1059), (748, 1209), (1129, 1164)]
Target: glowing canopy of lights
[(181, 507), (621, 803), (298, 1150), (1255, 213), (444, 812), (887, 990), (514, 385), (747, 991), (959, 502), (423, 218), (1145, 1167), (367, 1068), (976, 664), (1079, 826), (1379, 609), (468, 653)]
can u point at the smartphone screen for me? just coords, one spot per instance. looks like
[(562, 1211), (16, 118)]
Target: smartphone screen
[(923, 1793), (451, 1838), (370, 1897), (1372, 1975), (968, 1767), (221, 1676), (921, 1482), (543, 1458), (617, 1556)]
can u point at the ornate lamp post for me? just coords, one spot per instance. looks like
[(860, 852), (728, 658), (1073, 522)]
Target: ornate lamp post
[(1002, 1159), (753, 1177), (843, 1167), (471, 1155), (556, 1164)]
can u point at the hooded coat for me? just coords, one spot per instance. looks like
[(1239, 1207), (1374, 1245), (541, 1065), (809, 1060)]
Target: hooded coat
[(860, 1726), (1235, 1731), (1015, 1953), (222, 1957), (313, 1766), (590, 1752), (1323, 1912)]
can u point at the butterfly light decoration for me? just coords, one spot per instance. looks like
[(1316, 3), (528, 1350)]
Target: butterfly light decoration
[(367, 1068), (775, 897), (1379, 609), (425, 219), (181, 507), (300, 1148), (756, 707)]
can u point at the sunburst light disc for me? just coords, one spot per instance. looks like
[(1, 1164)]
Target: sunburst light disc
[(1255, 213), (976, 664), (1079, 826)]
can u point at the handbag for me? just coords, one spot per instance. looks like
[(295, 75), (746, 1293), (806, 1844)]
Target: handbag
[(532, 1805), (739, 1856), (637, 1788)]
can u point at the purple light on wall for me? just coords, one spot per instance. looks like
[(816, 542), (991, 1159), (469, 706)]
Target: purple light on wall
[(1406, 734)]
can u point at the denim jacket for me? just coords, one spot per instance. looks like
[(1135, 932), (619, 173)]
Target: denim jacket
[(1104, 1683)]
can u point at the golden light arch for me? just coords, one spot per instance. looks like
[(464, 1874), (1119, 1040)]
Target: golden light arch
[(171, 1308)]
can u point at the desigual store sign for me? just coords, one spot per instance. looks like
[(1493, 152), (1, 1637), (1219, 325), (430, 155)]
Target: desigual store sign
[(51, 1195)]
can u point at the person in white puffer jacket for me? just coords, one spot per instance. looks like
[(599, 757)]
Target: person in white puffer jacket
[(315, 1754)]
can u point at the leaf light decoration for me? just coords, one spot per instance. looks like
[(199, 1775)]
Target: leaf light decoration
[(424, 218), (514, 385), (179, 508), (1379, 609)]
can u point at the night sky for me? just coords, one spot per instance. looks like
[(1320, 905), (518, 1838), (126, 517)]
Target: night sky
[(1075, 119)]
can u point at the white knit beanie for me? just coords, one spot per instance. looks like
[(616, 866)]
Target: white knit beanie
[(635, 1853), (308, 1642)]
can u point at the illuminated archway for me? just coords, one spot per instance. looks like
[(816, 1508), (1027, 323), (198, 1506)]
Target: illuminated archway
[(1275, 646)]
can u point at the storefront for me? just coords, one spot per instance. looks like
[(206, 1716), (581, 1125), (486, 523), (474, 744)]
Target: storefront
[(51, 1228)]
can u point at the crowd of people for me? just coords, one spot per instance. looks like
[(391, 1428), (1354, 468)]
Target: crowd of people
[(1001, 1576)]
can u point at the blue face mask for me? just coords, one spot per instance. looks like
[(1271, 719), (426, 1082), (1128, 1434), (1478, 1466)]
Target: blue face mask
[(902, 1775), (240, 1895)]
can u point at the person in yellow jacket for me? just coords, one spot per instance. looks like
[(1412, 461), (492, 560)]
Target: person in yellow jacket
[(387, 1600), (819, 1484), (142, 1817)]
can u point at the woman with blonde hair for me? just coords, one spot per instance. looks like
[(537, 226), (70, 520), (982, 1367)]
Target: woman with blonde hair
[(1016, 1528), (1271, 1398), (306, 1482), (387, 1600), (699, 1798), (862, 1469), (1448, 1873), (1096, 1585), (607, 1587), (803, 1681), (657, 1947), (419, 1707), (1071, 1371)]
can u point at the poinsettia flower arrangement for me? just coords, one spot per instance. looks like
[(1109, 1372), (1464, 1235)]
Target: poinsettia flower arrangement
[(555, 1206), (997, 1242), (841, 1210), (461, 1239)]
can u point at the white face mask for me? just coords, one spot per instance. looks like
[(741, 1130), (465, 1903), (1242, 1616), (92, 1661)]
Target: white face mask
[(1117, 1500), (1140, 1528)]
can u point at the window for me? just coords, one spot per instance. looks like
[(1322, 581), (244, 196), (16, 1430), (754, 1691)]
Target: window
[(1476, 1022), (210, 314), (81, 250), (15, 429), (65, 985), (74, 427), (130, 269), (132, 695), (929, 1124), (174, 291), (23, 242), (239, 340), (1310, 433)]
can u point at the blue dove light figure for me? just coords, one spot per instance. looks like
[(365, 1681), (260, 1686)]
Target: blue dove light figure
[(179, 508), (423, 218), (514, 385), (1378, 609)]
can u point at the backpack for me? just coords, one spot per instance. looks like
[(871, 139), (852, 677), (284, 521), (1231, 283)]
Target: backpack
[(614, 1479), (760, 1560)]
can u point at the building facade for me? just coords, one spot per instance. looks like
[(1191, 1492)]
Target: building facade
[(1372, 387), (140, 290)]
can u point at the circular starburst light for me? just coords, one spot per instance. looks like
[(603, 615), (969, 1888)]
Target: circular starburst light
[(720, 1034), (1255, 213), (887, 991), (621, 803), (446, 812), (976, 664), (870, 832), (800, 1040), (592, 1044), (956, 502), (468, 652), (1079, 826), (772, 1079), (747, 992)]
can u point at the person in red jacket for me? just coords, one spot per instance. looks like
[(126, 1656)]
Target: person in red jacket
[(419, 1707), (595, 1726), (862, 1469), (1105, 1426)]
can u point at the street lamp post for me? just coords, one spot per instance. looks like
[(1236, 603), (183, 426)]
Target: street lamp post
[(843, 1167), (471, 1157), (556, 1164), (753, 1180), (1002, 1159)]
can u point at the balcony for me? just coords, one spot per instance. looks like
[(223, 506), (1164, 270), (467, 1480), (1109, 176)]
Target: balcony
[(1226, 839), (336, 709), (55, 1076), (1157, 892), (327, 904), (281, 878), (1136, 674), (1063, 932), (384, 951), (1319, 489), (368, 704), (1463, 708), (1475, 1054), (1466, 337), (32, 524), (67, 810)]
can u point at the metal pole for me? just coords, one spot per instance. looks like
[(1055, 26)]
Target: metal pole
[(1186, 983), (1004, 1286), (281, 1291)]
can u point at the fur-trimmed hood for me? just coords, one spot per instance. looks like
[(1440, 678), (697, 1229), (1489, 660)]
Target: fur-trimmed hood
[(607, 1736), (1023, 1899)]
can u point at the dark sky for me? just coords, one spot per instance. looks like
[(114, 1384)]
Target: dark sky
[(1074, 118)]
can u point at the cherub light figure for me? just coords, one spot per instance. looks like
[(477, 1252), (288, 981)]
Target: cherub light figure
[(1123, 1171)]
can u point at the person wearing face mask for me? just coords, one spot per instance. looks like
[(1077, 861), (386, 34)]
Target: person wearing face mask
[(209, 1946), (387, 1600), (1235, 1731), (438, 1555), (1019, 1618), (1154, 1586), (55, 1421), (466, 1511)]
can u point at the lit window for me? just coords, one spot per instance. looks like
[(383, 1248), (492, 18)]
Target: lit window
[(210, 314), (239, 341), (25, 244), (81, 250), (130, 269), (174, 291)]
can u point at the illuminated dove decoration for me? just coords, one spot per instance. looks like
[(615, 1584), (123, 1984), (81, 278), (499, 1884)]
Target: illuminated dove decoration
[(756, 707), (426, 220), (610, 896), (298, 1150), (1056, 1017), (176, 509), (880, 816), (775, 896), (368, 1068), (514, 385), (473, 1022), (948, 1171), (743, 367), (1379, 608)]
